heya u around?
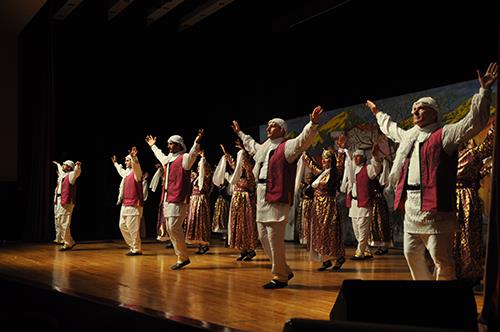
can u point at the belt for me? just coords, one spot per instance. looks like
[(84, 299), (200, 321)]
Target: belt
[(356, 198), (262, 180), (58, 195), (412, 187)]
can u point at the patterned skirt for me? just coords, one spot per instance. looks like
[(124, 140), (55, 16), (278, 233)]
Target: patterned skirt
[(242, 228)]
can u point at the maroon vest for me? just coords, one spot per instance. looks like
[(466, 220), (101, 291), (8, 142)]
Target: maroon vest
[(68, 191), (132, 191), (280, 177), (364, 189), (438, 173), (179, 183)]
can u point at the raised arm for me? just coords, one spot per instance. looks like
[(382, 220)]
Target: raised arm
[(188, 159), (375, 166), (309, 163), (294, 147), (136, 167), (59, 167), (74, 174), (387, 126), (477, 117), (249, 143), (157, 152)]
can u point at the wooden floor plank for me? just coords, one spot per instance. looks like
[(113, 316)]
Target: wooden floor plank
[(214, 288)]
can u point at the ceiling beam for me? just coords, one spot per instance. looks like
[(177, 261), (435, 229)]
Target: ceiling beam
[(163, 10), (118, 7), (202, 12), (66, 9)]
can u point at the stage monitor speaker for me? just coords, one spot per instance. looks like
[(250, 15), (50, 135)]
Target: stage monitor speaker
[(439, 304)]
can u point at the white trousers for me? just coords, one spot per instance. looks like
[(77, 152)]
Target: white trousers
[(272, 237), (361, 228), (440, 247), (130, 228), (176, 232)]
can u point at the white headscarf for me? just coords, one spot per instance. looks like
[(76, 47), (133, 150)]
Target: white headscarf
[(281, 123), (69, 163), (179, 140), (359, 152)]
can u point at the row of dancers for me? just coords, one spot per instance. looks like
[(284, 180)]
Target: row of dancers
[(263, 180)]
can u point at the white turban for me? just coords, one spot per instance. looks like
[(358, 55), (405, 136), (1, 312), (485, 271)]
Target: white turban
[(177, 139), (128, 157), (428, 102), (359, 152), (279, 122), (69, 163)]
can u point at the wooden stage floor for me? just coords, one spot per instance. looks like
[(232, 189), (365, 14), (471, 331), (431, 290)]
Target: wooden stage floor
[(214, 288)]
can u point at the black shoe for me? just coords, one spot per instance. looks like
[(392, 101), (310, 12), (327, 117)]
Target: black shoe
[(180, 265), (132, 253), (338, 264), (275, 284), (357, 258), (57, 242), (290, 275), (66, 248), (368, 255), (202, 250), (243, 254), (381, 251), (251, 254), (326, 265)]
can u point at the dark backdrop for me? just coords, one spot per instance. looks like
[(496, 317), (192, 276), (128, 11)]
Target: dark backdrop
[(91, 88)]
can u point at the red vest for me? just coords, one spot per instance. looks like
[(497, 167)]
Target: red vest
[(179, 184), (68, 191), (438, 173), (280, 177), (364, 189), (132, 191)]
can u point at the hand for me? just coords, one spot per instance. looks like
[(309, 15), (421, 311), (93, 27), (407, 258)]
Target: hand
[(150, 140), (157, 166), (491, 75), (239, 144), (372, 106), (341, 140), (199, 136), (314, 117), (78, 163), (113, 159), (145, 176), (223, 150), (202, 153), (235, 126), (133, 152)]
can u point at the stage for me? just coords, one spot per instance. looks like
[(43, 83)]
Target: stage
[(215, 291)]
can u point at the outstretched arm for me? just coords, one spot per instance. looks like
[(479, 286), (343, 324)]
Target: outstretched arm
[(189, 158), (249, 143), (162, 158), (59, 167), (294, 147), (136, 167), (387, 126), (477, 117), (74, 174)]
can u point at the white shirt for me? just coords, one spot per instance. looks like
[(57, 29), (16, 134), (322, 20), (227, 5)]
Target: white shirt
[(274, 212)]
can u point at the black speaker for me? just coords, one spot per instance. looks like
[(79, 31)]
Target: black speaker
[(441, 304)]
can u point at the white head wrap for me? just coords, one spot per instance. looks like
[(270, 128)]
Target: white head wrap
[(428, 102), (279, 122), (359, 152), (177, 139), (128, 157), (69, 163)]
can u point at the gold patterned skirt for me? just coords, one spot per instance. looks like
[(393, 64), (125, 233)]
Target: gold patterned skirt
[(242, 228), (198, 227), (221, 215), (468, 248), (326, 228), (381, 231)]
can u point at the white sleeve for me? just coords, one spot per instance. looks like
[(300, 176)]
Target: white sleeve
[(220, 172), (295, 146), (473, 122), (249, 143), (188, 159), (238, 169), (120, 169), (389, 127), (159, 155), (73, 175), (136, 168)]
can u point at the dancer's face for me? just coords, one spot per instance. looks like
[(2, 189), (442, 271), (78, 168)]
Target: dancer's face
[(424, 116)]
